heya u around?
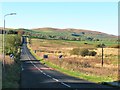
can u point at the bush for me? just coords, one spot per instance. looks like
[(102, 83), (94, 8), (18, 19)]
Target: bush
[(13, 42), (84, 52), (100, 45), (85, 43), (75, 51), (92, 53)]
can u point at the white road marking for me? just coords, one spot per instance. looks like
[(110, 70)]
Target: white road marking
[(45, 73), (66, 84), (49, 76), (22, 67), (55, 79), (41, 71)]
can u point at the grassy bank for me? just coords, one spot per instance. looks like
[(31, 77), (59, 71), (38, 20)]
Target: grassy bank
[(11, 72), (92, 78), (11, 76)]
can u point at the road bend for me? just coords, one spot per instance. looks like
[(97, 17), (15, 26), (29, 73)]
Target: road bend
[(36, 75)]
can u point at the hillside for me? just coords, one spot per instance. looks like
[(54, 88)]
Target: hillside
[(74, 33), (69, 33), (72, 30)]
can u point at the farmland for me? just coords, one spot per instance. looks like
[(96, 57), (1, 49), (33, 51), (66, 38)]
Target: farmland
[(55, 42), (88, 65)]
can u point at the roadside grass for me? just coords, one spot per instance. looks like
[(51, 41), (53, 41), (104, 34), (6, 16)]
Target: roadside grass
[(88, 77), (11, 75), (92, 78), (11, 72)]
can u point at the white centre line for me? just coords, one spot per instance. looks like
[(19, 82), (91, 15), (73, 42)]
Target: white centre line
[(49, 76), (55, 79), (41, 71), (45, 73), (66, 84)]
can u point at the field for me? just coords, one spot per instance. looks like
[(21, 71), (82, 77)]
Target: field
[(88, 65)]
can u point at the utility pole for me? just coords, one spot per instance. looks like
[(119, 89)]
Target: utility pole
[(102, 56), (102, 46)]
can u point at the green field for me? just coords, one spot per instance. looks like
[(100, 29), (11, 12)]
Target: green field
[(67, 43)]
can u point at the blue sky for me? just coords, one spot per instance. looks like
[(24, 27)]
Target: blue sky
[(96, 16)]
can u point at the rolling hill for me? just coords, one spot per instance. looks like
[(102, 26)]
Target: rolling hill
[(68, 32), (74, 33)]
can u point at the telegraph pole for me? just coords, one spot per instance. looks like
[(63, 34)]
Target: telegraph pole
[(102, 56)]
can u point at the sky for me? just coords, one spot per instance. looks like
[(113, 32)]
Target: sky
[(96, 16)]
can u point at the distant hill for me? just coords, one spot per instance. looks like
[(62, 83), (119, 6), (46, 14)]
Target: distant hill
[(88, 33), (68, 32), (72, 30)]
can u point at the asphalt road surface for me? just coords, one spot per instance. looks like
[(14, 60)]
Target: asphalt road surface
[(36, 75)]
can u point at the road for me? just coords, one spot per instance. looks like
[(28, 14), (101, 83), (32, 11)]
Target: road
[(36, 75)]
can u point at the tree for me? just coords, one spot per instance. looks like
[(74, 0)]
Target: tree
[(12, 44), (100, 45), (12, 32), (89, 38)]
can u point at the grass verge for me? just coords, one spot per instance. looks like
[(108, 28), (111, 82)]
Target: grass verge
[(11, 75)]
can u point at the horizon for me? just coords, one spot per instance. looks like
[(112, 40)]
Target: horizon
[(61, 28), (94, 16)]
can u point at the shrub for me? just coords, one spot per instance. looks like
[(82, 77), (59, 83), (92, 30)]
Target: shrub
[(86, 65), (12, 44), (85, 43), (84, 52), (100, 45), (75, 51), (59, 51), (92, 53)]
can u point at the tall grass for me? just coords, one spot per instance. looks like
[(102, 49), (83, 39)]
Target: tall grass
[(11, 76), (71, 72), (11, 72)]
